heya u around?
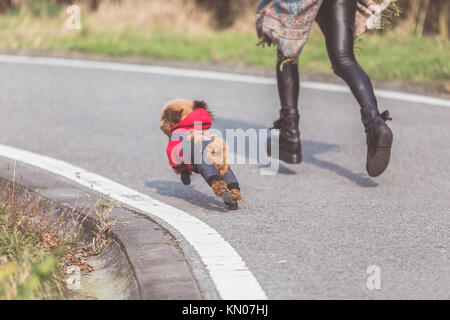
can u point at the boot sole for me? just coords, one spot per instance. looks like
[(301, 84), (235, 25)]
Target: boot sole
[(291, 158), (377, 164)]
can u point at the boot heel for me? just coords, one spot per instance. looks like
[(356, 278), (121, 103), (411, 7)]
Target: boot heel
[(293, 158), (286, 156)]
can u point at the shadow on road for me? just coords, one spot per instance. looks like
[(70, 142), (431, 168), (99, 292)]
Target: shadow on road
[(312, 148), (310, 151), (176, 189)]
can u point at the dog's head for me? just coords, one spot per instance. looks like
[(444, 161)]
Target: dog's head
[(176, 110)]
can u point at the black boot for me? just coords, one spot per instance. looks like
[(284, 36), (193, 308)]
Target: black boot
[(290, 149), (379, 140)]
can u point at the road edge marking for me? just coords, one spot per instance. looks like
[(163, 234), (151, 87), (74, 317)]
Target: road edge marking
[(211, 75), (227, 269)]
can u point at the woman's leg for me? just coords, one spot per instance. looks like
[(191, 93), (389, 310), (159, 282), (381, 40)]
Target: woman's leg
[(336, 19), (288, 90)]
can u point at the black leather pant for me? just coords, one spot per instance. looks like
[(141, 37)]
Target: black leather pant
[(336, 19)]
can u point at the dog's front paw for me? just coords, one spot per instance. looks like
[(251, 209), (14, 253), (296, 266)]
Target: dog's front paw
[(186, 177)]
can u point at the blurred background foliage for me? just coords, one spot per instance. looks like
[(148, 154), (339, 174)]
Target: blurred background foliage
[(421, 17), (28, 261), (415, 47)]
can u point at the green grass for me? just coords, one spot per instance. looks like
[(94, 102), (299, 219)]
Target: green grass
[(28, 269), (38, 8), (386, 56)]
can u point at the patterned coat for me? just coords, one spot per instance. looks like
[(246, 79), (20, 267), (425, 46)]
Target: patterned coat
[(287, 23)]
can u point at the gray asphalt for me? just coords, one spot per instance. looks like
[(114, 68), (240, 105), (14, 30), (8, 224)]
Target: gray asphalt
[(312, 230)]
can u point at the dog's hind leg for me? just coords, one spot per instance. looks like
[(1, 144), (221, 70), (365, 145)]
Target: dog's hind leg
[(233, 185), (218, 185), (220, 189)]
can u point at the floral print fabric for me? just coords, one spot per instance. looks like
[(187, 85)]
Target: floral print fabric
[(287, 23)]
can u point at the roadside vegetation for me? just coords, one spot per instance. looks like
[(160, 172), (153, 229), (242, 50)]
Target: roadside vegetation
[(412, 49), (29, 254), (36, 250)]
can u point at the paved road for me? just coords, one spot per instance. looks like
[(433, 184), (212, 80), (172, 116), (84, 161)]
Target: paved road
[(312, 230)]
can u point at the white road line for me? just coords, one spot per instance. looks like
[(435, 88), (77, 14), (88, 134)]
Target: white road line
[(227, 269), (211, 75)]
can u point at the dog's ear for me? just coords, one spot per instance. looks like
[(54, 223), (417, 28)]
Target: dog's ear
[(169, 118), (200, 104)]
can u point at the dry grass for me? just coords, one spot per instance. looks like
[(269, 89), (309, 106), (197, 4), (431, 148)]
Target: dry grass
[(37, 248), (173, 15), (103, 224), (176, 15), (30, 248)]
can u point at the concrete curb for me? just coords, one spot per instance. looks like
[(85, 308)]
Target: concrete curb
[(159, 267)]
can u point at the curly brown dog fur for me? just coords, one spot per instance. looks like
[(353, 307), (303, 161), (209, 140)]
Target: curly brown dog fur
[(218, 187), (236, 194), (174, 112)]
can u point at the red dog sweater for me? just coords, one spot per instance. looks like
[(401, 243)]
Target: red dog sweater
[(197, 119)]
